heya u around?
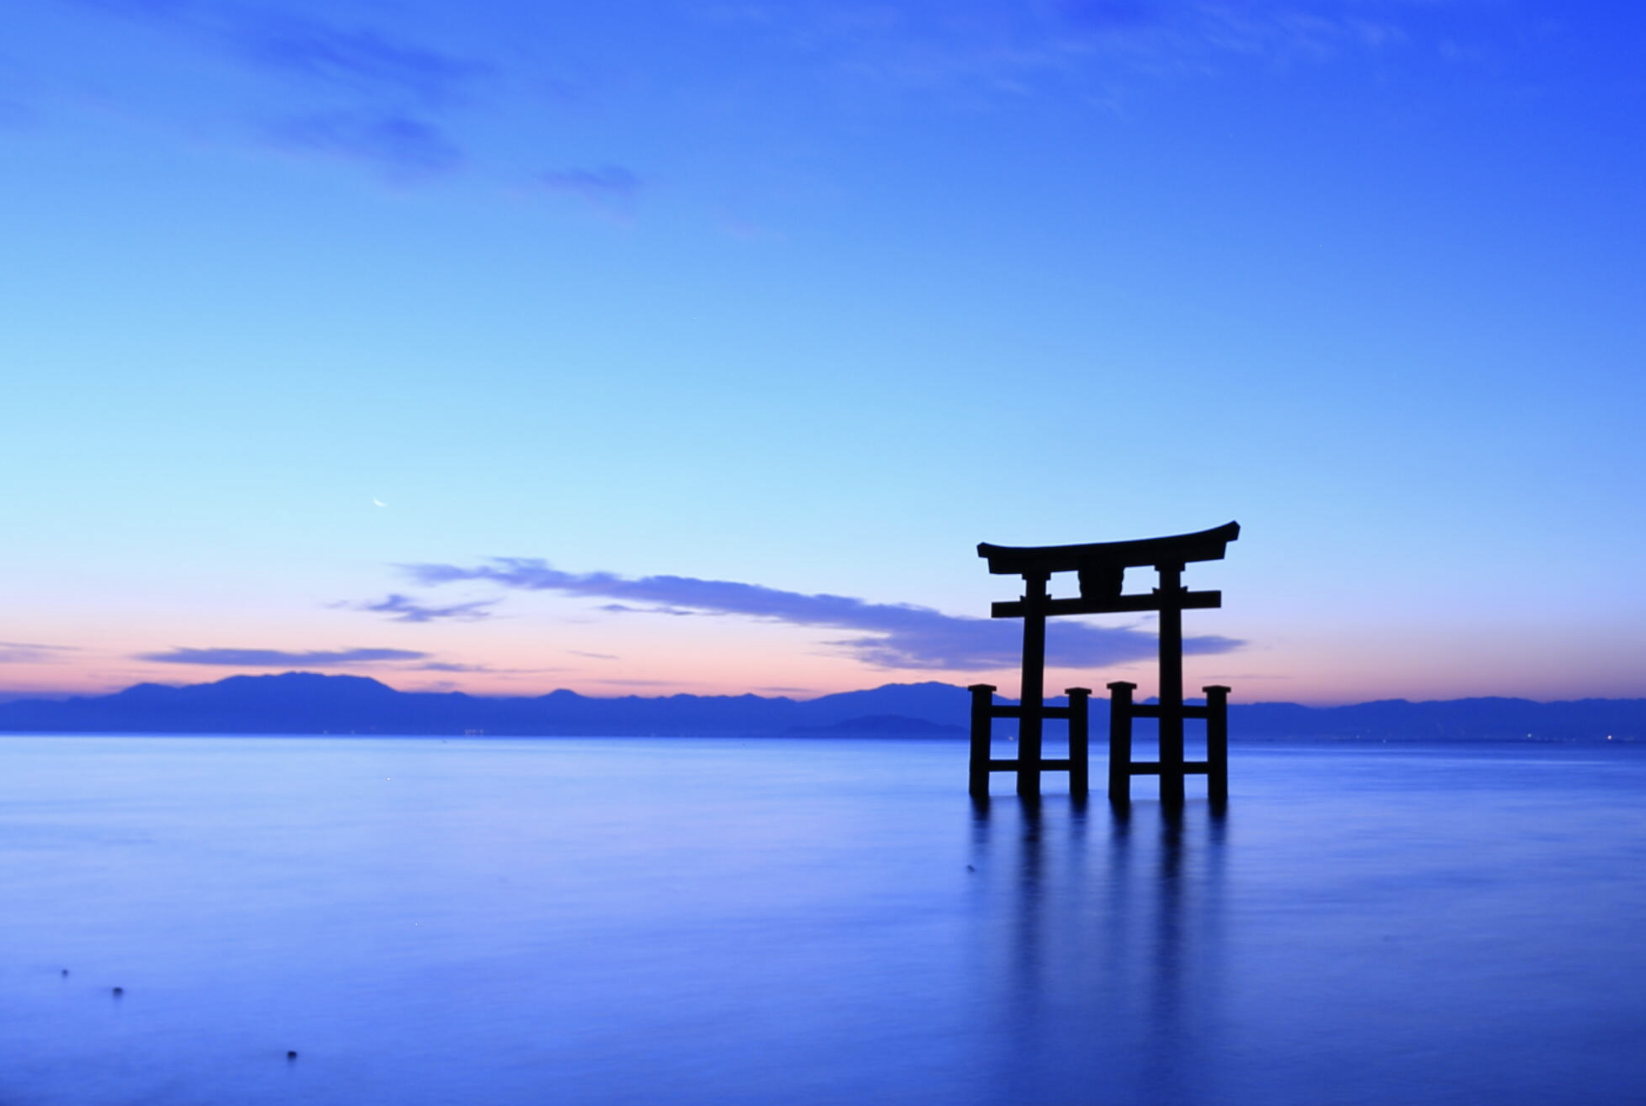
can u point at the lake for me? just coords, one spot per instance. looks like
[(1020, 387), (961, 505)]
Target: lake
[(786, 921)]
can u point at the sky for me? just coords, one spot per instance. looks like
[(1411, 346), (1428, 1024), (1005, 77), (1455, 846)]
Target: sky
[(692, 346)]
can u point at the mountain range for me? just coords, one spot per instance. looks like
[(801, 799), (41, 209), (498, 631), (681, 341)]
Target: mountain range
[(308, 703)]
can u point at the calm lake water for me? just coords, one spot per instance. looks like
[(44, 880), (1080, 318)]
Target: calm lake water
[(805, 922)]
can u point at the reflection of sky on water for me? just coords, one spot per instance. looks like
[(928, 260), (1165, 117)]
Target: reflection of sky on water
[(810, 922), (1368, 925), (1112, 975)]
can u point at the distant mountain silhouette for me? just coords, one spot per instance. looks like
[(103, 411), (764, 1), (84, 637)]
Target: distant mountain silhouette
[(308, 703)]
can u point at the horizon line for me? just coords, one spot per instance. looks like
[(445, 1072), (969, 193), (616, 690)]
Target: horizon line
[(14, 695)]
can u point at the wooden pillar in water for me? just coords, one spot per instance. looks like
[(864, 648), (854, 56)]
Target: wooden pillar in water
[(1034, 682), (982, 718), (1171, 684), (1080, 766), (1217, 743), (1120, 741)]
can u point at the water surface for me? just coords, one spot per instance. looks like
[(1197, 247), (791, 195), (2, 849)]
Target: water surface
[(810, 922)]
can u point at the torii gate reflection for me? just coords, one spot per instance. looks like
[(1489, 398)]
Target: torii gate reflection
[(1106, 938), (1101, 568)]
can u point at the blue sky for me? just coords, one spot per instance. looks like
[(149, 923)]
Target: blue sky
[(810, 299)]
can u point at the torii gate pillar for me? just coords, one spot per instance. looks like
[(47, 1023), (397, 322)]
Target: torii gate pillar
[(1101, 567)]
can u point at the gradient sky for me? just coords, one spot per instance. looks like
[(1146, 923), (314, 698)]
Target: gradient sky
[(687, 346)]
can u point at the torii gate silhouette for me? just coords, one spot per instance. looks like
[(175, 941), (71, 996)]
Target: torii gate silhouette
[(1102, 567)]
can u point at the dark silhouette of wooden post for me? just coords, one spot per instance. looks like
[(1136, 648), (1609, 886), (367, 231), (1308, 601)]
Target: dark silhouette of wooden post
[(1032, 702), (1101, 567), (1080, 702), (982, 702), (1120, 741), (1171, 683), (1217, 744)]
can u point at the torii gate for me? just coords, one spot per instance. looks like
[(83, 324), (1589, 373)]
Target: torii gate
[(1102, 567)]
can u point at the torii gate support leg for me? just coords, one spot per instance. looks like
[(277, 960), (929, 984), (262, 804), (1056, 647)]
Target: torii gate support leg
[(1217, 744), (1120, 741), (1034, 683), (1079, 741), (1171, 684), (982, 720)]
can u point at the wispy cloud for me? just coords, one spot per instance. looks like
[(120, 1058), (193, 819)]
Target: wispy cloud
[(406, 609), (362, 58), (364, 89), (1096, 49), (447, 666), (344, 90), (401, 148), (278, 658), (624, 608), (895, 635), (611, 189), (27, 652)]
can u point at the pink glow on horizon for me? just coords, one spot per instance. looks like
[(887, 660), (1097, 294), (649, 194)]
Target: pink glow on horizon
[(628, 654)]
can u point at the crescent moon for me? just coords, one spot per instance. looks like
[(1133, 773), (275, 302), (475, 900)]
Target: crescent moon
[(379, 502)]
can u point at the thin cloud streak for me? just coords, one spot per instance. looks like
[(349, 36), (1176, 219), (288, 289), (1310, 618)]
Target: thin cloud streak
[(406, 609), (349, 92), (611, 189), (896, 635), (358, 57), (368, 61), (624, 608), (280, 658), (1094, 47), (27, 652), (402, 148)]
